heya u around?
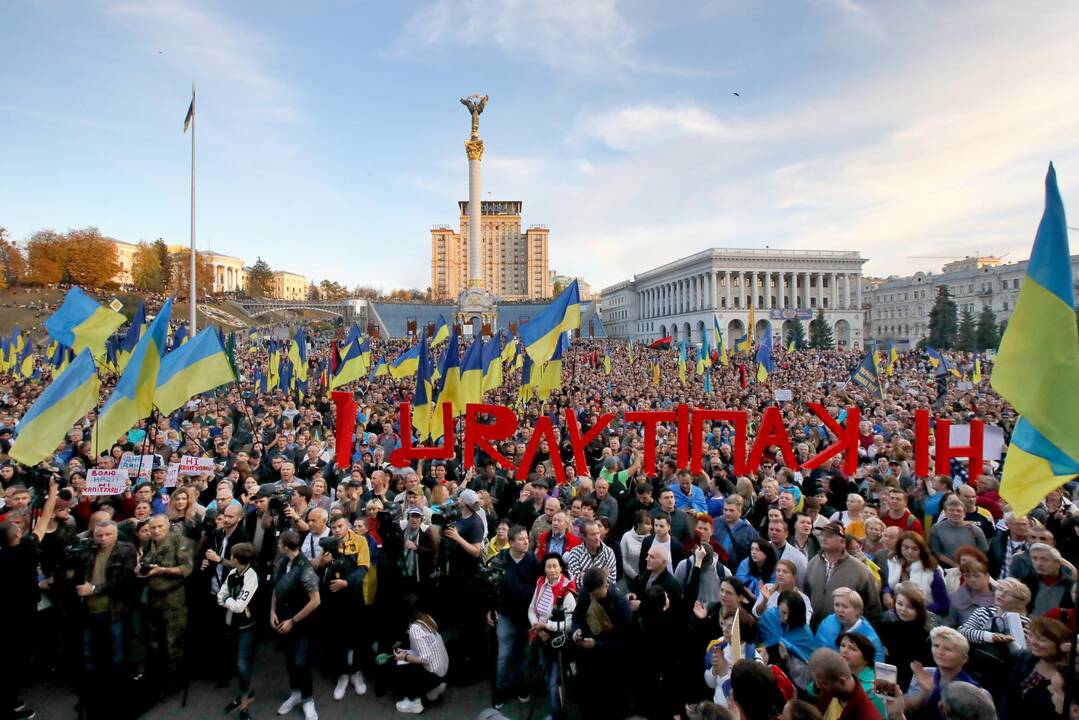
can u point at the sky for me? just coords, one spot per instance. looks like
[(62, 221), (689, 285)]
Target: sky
[(330, 136)]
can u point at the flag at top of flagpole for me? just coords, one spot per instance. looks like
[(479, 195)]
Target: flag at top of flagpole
[(190, 111)]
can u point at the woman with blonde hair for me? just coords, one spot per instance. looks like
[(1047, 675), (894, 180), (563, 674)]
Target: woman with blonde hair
[(184, 513)]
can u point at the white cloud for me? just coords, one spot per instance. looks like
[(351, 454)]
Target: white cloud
[(640, 126)]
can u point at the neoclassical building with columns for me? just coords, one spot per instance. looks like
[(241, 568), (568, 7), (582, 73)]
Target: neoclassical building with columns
[(678, 299)]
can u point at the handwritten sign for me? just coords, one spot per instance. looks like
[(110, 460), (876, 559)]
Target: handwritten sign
[(783, 395), (137, 465), (172, 475), (105, 482), (191, 465)]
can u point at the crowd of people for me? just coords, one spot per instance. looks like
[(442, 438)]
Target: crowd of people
[(626, 590)]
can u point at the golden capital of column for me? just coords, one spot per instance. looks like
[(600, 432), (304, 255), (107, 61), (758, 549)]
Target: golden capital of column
[(473, 282), (474, 148)]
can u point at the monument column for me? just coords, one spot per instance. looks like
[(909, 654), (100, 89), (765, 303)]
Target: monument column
[(474, 148), (727, 282)]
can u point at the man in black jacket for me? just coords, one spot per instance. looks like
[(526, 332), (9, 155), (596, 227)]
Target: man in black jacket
[(510, 616), (108, 589), (602, 623)]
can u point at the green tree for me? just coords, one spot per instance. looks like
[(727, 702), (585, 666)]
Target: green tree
[(943, 321), (164, 260), (260, 279), (987, 329), (797, 335), (967, 339), (820, 334), (146, 272)]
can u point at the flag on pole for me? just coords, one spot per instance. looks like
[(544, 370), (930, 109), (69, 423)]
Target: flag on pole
[(70, 396), (540, 335), (721, 347), (765, 362), (442, 331), (199, 366), (191, 112), (606, 363), (81, 322), (380, 369), (491, 359), (708, 380), (1037, 366), (866, 376), (682, 361), (892, 357), (977, 376), (423, 397)]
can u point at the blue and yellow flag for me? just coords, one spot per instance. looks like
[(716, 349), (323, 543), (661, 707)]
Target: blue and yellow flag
[(82, 323), (199, 366), (704, 357), (866, 376), (765, 362), (131, 337), (380, 369), (550, 377), (606, 363), (424, 395), (350, 368), (717, 338), (406, 363), (365, 353), (509, 350), (976, 377), (442, 331), (491, 359), (449, 379), (682, 361), (133, 397), (655, 373), (273, 366), (471, 384), (708, 380), (1037, 366), (892, 357), (179, 337), (297, 355), (69, 397), (540, 335), (527, 391), (791, 346)]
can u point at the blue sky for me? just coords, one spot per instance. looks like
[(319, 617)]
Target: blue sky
[(330, 133)]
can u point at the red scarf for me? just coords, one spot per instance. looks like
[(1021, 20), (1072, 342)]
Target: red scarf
[(558, 591)]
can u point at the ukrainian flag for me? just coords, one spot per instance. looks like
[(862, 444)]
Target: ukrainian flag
[(133, 397), (26, 362), (199, 366), (540, 335), (977, 376), (179, 337), (708, 380), (892, 357), (297, 355), (70, 396), (380, 369), (1037, 366), (273, 367), (743, 344), (791, 347), (606, 363), (442, 331), (471, 389), (704, 359), (131, 337), (353, 336), (765, 362), (407, 362), (655, 373), (527, 371), (551, 373), (682, 361), (449, 384), (509, 350), (423, 397), (365, 353), (82, 323), (717, 336), (349, 369), (491, 359)]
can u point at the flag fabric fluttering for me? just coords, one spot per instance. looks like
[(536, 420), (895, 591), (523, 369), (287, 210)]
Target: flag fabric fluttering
[(380, 369), (449, 384), (682, 361), (717, 338), (867, 377), (550, 378), (81, 322), (406, 364), (199, 366), (704, 357), (471, 387), (655, 373), (606, 363), (765, 362), (350, 368), (1036, 368), (527, 389), (491, 360), (133, 397), (190, 111), (69, 397), (976, 377), (297, 355), (423, 397), (442, 332), (892, 357), (708, 379), (539, 336)]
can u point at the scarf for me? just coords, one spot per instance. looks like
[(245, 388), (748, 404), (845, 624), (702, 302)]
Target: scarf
[(558, 592)]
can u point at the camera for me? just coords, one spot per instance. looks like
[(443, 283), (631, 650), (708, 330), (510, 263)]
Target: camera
[(446, 516)]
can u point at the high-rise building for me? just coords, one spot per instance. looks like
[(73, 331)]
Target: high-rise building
[(514, 263)]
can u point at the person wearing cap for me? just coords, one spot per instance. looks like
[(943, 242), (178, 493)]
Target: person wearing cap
[(833, 568), (465, 605), (418, 554), (618, 478)]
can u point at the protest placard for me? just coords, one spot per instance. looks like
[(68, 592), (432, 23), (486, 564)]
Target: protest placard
[(172, 475), (783, 395), (105, 482), (137, 465), (191, 465)]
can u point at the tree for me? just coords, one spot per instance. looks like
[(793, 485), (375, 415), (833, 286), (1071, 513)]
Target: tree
[(165, 261), (181, 269), (92, 260), (967, 335), (260, 279), (820, 335), (46, 254), (332, 291), (312, 292), (146, 272), (987, 329), (797, 335), (943, 321), (12, 261), (556, 288)]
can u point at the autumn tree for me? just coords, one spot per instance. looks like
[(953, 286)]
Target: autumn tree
[(46, 253), (260, 279), (313, 292), (91, 259), (181, 271), (165, 261), (146, 272), (12, 261), (331, 290)]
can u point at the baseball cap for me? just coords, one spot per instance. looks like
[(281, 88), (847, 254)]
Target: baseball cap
[(414, 511), (835, 529), (469, 498)]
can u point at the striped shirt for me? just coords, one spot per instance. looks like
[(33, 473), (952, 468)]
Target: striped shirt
[(429, 648), (579, 560), (985, 622)]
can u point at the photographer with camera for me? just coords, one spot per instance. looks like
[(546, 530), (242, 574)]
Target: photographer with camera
[(465, 604), (552, 604), (165, 566), (346, 560), (519, 572), (235, 597), (295, 597), (298, 507), (262, 527)]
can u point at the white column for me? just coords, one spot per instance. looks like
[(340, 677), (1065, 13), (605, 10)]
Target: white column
[(792, 294), (834, 290), (820, 290), (727, 280), (858, 290), (805, 290), (475, 276), (846, 291)]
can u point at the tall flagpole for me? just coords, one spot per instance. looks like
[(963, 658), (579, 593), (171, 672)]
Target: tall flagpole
[(192, 296)]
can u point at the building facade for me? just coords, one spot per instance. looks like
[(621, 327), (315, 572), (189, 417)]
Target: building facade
[(229, 273), (897, 308), (782, 286), (289, 286), (514, 263), (560, 281)]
